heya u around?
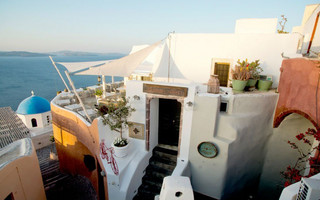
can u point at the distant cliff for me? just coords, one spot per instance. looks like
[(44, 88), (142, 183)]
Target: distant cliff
[(58, 53), (79, 53), (22, 54)]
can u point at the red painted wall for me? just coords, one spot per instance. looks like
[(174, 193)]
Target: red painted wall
[(299, 90)]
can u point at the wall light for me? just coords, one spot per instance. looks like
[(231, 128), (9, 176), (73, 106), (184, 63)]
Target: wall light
[(189, 103), (136, 97)]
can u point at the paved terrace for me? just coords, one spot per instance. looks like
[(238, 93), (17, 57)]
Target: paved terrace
[(69, 101)]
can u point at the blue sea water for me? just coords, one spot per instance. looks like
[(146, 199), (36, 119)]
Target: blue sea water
[(20, 75)]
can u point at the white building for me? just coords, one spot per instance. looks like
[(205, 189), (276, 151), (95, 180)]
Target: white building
[(221, 139), (35, 112)]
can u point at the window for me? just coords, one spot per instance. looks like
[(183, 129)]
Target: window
[(221, 67), (222, 70), (48, 119), (34, 122)]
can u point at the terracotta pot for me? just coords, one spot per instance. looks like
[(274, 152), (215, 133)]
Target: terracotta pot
[(213, 85), (264, 85), (238, 85), (120, 152)]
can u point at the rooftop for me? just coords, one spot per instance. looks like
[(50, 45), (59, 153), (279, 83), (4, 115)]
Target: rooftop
[(12, 128), (33, 105)]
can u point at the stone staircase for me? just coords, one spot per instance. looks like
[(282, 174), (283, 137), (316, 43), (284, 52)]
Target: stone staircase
[(49, 167), (161, 164)]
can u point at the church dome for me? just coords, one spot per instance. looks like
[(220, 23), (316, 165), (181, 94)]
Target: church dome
[(33, 105)]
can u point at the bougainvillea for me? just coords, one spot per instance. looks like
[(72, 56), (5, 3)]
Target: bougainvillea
[(294, 173)]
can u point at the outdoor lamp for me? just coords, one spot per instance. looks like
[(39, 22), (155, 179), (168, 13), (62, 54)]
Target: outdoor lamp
[(189, 103), (136, 97)]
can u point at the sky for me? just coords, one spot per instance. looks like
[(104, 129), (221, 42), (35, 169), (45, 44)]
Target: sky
[(114, 26)]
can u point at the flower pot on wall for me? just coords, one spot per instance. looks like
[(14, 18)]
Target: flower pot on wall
[(252, 82), (120, 152), (238, 85), (251, 85), (264, 85)]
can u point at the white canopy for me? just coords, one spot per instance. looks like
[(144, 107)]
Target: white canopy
[(76, 66), (123, 66)]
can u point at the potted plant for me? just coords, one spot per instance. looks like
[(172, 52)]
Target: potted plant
[(264, 85), (240, 76), (255, 70), (98, 94), (116, 114)]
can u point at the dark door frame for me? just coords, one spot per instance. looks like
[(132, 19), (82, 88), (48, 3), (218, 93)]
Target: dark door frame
[(148, 100)]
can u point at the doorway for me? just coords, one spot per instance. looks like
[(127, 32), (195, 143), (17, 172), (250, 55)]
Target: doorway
[(169, 122)]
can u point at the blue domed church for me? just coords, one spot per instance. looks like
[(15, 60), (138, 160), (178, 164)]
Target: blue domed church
[(35, 112)]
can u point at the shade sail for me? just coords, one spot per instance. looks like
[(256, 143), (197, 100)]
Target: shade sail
[(123, 66), (76, 66)]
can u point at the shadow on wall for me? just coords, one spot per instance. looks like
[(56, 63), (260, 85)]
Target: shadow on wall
[(76, 187), (78, 148), (280, 155), (76, 159)]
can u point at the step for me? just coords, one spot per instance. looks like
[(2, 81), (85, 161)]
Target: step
[(165, 150), (146, 196), (164, 157), (49, 168), (151, 188), (54, 179), (153, 178), (145, 193), (160, 168), (152, 182), (161, 164), (162, 161), (155, 174), (165, 146)]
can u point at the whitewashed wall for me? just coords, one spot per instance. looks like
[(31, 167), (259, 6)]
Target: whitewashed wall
[(41, 119), (240, 135), (280, 155), (191, 54)]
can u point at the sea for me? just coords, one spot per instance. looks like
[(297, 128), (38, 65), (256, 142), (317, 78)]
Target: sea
[(21, 75)]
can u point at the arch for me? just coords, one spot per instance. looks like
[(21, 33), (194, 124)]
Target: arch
[(34, 122), (279, 118)]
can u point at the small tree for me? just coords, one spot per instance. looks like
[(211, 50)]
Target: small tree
[(116, 114), (282, 24)]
